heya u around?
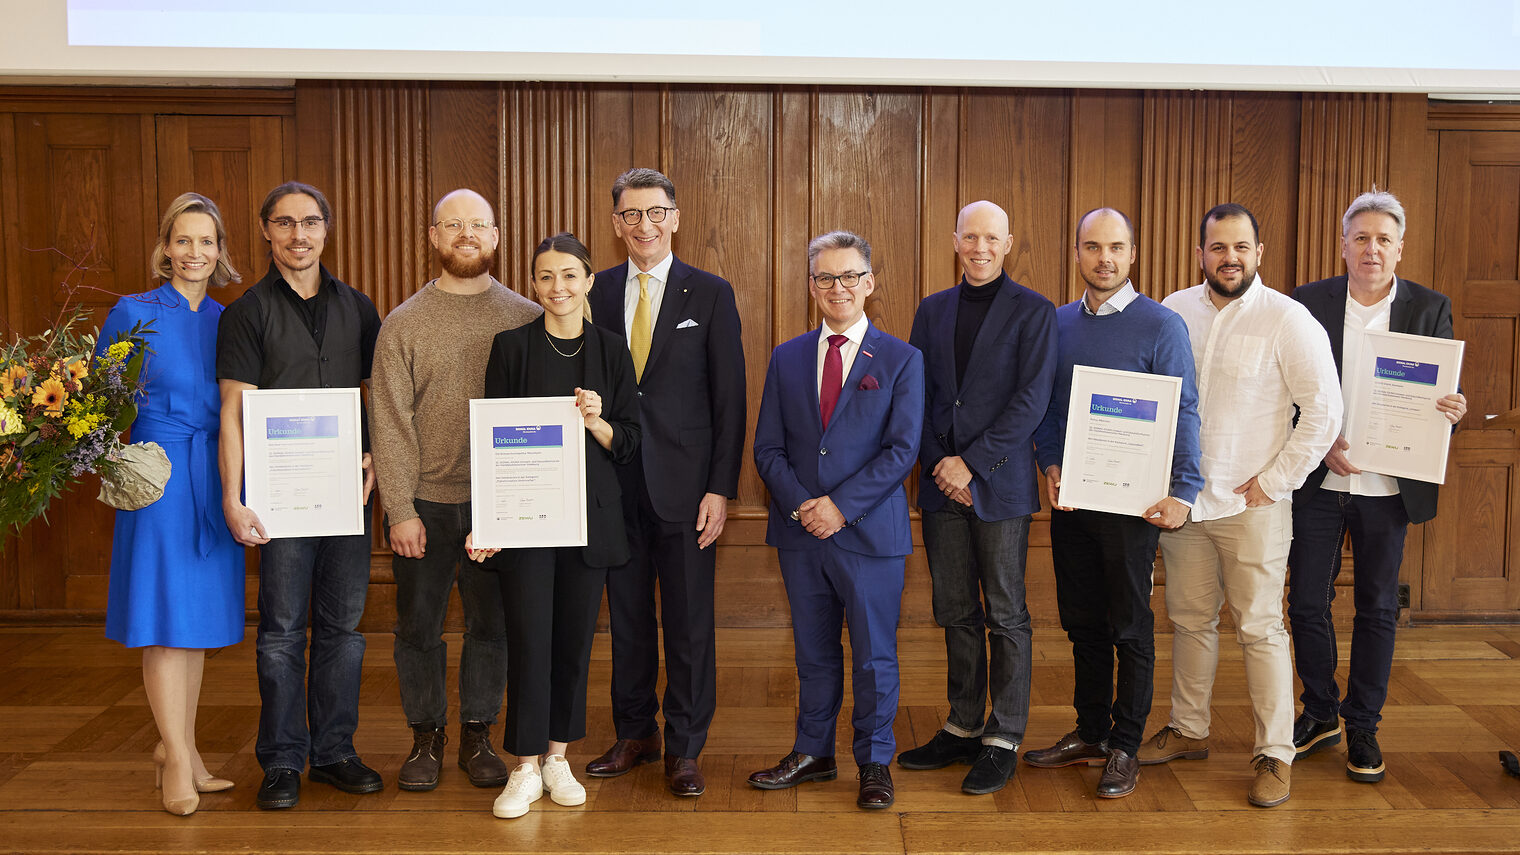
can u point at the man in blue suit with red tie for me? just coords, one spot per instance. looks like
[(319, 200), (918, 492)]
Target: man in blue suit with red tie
[(839, 428)]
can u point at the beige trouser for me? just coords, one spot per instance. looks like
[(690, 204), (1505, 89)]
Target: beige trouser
[(1243, 558)]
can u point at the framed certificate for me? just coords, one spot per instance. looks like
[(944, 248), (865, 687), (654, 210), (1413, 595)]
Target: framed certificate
[(1392, 424), (527, 473), (1120, 428), (302, 456)]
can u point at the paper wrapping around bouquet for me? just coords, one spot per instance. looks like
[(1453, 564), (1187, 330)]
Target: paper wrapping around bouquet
[(139, 478)]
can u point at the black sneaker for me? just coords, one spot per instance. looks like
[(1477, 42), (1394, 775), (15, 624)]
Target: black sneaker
[(1364, 760), (349, 775), (281, 789), (1311, 735), (945, 748), (990, 771)]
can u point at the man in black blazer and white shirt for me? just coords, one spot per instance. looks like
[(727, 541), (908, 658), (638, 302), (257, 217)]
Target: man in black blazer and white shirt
[(682, 327), (1337, 496)]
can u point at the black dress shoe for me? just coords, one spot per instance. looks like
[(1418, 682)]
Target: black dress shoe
[(795, 769), (940, 751), (683, 776), (1072, 749), (1120, 774), (349, 775), (624, 755), (876, 791), (990, 770), (1311, 735), (281, 789)]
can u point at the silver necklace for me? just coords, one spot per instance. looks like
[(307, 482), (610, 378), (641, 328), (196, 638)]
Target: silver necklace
[(577, 350)]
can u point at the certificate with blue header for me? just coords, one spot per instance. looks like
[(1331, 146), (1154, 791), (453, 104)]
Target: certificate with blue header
[(302, 453), (1392, 424), (1120, 429), (527, 473)]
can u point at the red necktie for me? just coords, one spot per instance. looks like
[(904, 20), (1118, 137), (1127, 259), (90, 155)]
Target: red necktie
[(833, 378)]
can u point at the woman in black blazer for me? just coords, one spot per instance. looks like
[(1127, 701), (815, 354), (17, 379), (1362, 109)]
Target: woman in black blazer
[(551, 595)]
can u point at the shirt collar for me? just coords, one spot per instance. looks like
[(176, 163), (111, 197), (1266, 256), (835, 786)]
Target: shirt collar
[(660, 272), (856, 333), (1115, 304), (1250, 296)]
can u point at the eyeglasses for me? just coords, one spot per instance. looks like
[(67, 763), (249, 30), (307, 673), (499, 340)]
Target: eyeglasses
[(288, 224), (825, 281), (657, 214), (456, 226)]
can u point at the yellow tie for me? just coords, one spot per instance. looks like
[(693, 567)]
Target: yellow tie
[(639, 336)]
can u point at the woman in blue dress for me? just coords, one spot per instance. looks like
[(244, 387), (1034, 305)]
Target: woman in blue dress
[(176, 586)]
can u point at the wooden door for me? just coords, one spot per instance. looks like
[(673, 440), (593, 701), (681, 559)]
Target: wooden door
[(1472, 567)]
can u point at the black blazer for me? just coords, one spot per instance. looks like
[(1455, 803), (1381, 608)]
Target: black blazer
[(609, 372), (692, 398), (1416, 310)]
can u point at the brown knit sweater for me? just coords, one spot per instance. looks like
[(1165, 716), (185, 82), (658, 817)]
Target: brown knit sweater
[(430, 360)]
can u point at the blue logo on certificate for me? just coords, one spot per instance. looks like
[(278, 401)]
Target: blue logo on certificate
[(527, 436), (301, 427), (1138, 409), (1406, 371)]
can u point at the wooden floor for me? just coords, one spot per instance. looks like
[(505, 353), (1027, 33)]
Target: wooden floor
[(76, 737)]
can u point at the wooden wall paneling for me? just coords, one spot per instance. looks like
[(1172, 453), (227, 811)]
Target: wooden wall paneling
[(796, 194), (1343, 151), (1412, 157), (11, 291), (234, 161), (943, 192), (548, 154), (612, 152), (865, 184), (1015, 152), (1264, 141), (1104, 166), (317, 154), (1185, 157)]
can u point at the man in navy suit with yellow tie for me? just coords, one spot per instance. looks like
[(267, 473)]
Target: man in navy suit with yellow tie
[(839, 427), (682, 328)]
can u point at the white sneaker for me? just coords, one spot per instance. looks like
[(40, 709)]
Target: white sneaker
[(561, 783), (524, 788)]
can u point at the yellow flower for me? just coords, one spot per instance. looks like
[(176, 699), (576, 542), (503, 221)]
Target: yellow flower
[(10, 421), (118, 351), (79, 368), (50, 396), (14, 379)]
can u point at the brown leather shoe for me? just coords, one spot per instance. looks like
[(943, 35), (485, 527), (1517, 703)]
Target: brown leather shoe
[(478, 759), (624, 755), (683, 776), (1070, 751), (1120, 774), (420, 771), (876, 791), (795, 769)]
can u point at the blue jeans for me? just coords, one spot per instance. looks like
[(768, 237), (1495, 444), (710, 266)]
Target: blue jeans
[(971, 561), (329, 577), (1378, 525), (422, 603)]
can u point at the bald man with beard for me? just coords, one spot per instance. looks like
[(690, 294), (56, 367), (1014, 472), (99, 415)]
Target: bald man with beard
[(989, 349), (430, 360)]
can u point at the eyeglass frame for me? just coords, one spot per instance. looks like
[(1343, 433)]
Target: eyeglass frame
[(644, 212), (833, 280), (475, 226), (289, 225)]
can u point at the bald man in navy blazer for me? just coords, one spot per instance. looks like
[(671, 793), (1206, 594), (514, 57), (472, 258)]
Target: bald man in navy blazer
[(675, 494), (839, 427)]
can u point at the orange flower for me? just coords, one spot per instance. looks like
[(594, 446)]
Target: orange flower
[(13, 379), (79, 368), (50, 396)]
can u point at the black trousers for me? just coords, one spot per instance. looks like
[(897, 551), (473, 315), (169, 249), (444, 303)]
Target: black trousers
[(664, 553), (1103, 565), (551, 599)]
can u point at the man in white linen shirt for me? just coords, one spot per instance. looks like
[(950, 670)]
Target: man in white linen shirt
[(1259, 355)]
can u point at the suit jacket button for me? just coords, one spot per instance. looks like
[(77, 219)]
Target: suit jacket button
[(823, 451), (957, 403), (640, 394)]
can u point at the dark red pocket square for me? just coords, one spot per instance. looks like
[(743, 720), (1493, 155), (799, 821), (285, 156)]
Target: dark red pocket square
[(868, 383)]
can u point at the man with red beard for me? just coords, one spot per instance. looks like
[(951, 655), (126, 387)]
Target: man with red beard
[(430, 360)]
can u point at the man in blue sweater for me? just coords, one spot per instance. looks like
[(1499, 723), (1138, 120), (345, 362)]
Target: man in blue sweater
[(1103, 561)]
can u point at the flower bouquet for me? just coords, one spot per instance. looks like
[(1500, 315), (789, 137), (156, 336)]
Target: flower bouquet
[(62, 411)]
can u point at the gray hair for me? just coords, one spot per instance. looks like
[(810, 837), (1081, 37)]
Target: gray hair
[(642, 178), (839, 239), (1374, 201)]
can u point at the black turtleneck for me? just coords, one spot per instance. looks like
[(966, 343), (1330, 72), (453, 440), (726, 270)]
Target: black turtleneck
[(974, 302)]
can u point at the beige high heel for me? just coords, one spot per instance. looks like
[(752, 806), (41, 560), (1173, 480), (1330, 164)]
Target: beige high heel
[(208, 784), (178, 807)]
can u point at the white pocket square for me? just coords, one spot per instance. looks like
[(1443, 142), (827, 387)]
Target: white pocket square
[(686, 324)]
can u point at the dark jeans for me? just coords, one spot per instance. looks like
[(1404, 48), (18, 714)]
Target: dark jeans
[(1378, 525), (666, 553), (972, 561), (329, 577), (1103, 566), (551, 599), (422, 603)]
